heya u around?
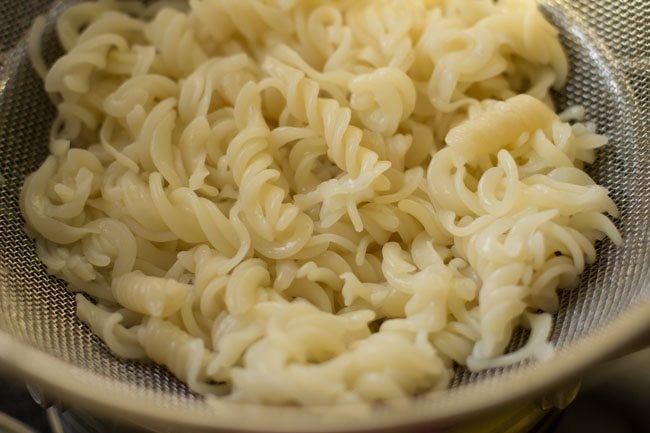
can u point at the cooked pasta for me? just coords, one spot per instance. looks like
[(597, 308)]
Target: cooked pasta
[(315, 202)]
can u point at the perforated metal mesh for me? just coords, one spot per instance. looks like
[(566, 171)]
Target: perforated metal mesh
[(609, 47)]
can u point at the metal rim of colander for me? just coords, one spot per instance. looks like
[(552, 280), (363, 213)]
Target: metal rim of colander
[(81, 388), (109, 397)]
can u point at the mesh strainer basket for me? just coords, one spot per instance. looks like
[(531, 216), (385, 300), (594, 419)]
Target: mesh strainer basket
[(608, 42)]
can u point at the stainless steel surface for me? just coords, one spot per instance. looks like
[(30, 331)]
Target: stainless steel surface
[(40, 337), (613, 399)]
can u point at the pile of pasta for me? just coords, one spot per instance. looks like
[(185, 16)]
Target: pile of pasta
[(314, 202)]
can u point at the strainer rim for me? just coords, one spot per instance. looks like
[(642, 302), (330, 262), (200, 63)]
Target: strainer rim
[(61, 379)]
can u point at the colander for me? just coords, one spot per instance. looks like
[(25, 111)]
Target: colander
[(41, 339)]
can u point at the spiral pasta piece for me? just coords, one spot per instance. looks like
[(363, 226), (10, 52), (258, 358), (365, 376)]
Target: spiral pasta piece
[(172, 35), (326, 117), (383, 99), (252, 170), (248, 18), (108, 326), (150, 296), (163, 342)]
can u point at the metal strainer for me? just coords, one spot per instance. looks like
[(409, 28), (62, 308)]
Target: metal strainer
[(41, 339)]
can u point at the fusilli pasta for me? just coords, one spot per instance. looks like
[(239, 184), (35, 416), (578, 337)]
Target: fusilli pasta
[(314, 202)]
